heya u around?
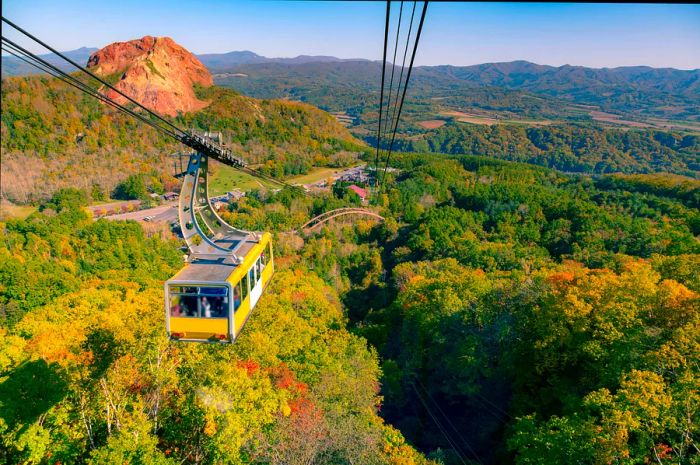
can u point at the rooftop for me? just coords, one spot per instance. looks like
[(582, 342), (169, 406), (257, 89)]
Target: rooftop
[(359, 191)]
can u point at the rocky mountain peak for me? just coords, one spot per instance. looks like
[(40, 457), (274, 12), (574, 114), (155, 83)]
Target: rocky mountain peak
[(154, 71)]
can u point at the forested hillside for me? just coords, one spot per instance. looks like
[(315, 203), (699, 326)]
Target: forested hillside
[(570, 148), (87, 374), (641, 90), (552, 319), (53, 136), (502, 313), (518, 111), (325, 81)]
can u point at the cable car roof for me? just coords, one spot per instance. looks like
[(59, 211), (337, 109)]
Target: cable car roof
[(219, 271), (204, 272)]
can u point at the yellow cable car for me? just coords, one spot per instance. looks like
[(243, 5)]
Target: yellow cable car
[(210, 302), (227, 269)]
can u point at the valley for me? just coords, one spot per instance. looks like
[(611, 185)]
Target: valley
[(575, 105), (524, 88), (521, 288)]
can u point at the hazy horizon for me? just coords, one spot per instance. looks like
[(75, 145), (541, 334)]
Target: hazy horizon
[(379, 61), (457, 34)]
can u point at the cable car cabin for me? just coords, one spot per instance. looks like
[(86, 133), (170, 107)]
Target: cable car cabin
[(210, 301)]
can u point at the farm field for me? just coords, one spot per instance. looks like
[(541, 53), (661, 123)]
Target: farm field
[(676, 125), (431, 124), (470, 118), (315, 175), (490, 120), (607, 119), (616, 119), (645, 123)]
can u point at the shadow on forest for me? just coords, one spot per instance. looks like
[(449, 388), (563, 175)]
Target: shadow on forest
[(360, 300), (104, 348), (29, 391)]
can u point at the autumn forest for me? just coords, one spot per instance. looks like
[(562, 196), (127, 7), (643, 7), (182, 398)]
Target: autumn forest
[(523, 294)]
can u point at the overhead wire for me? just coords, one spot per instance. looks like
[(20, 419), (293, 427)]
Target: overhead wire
[(439, 426), (254, 172), (54, 71), (405, 88), (381, 92), (403, 62), (387, 123), (51, 72), (68, 79), (442, 430), (449, 422), (395, 109), (18, 55), (43, 65), (182, 135), (89, 73), (496, 407)]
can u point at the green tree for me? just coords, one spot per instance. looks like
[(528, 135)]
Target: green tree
[(131, 188)]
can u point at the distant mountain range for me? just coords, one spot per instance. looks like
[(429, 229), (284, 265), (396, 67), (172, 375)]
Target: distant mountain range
[(224, 61), (12, 66), (342, 86), (337, 84)]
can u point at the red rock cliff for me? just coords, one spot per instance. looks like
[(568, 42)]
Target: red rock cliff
[(154, 71)]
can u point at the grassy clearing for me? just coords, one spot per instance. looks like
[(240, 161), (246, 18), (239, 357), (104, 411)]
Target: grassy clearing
[(225, 179), (315, 175), (9, 211)]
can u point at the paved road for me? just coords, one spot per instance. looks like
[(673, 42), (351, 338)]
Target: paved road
[(114, 206), (162, 213)]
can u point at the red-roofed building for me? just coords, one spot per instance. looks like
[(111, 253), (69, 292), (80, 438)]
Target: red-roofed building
[(362, 193)]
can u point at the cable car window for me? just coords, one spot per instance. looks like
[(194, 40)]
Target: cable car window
[(259, 265), (199, 302), (237, 296), (244, 286), (251, 276)]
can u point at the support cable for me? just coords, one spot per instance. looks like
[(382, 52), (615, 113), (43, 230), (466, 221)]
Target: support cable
[(403, 63), (381, 92), (45, 66), (403, 96), (388, 122), (56, 72), (257, 173), (439, 425), (84, 70), (496, 407), (449, 422)]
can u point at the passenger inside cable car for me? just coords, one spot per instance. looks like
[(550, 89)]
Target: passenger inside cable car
[(237, 297), (199, 302)]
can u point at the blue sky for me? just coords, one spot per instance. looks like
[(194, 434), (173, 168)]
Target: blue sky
[(596, 35)]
